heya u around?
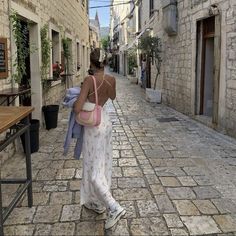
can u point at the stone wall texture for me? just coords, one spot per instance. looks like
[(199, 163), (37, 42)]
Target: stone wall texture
[(178, 78), (71, 18), (68, 15)]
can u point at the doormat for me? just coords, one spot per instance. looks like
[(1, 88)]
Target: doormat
[(167, 119)]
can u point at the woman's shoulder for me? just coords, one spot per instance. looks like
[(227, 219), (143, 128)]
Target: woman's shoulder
[(110, 78), (88, 78)]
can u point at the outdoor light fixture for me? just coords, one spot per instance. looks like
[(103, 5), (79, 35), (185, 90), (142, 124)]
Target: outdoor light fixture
[(213, 10), (154, 10), (148, 29)]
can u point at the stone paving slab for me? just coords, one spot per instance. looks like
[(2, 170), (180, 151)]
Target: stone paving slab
[(200, 225), (173, 178)]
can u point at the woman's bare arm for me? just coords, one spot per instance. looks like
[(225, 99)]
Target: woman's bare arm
[(83, 95), (112, 88)]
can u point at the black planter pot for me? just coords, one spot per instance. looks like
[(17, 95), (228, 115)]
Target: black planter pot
[(51, 116), (34, 136)]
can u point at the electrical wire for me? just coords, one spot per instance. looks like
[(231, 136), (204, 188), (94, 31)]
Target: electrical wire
[(110, 5), (132, 1), (108, 1)]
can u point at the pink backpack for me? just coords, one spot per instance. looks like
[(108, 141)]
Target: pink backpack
[(90, 115)]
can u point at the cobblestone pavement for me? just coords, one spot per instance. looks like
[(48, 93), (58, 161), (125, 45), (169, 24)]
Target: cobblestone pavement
[(175, 177)]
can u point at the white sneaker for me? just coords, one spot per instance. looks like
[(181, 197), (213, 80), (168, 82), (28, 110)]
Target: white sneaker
[(113, 217), (95, 207)]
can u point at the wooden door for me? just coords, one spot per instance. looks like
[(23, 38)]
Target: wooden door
[(208, 67)]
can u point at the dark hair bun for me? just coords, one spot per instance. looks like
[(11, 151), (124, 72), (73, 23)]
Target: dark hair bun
[(91, 71), (94, 57)]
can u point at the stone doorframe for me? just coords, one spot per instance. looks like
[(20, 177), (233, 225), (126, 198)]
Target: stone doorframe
[(220, 65), (35, 57)]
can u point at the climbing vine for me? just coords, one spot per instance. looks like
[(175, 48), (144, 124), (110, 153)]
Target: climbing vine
[(20, 32), (66, 52), (46, 52), (45, 60)]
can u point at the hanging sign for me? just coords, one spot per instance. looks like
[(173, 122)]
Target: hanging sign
[(3, 58)]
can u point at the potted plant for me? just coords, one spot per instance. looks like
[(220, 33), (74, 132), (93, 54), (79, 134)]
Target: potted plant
[(19, 34), (50, 111), (152, 47), (132, 66), (57, 69)]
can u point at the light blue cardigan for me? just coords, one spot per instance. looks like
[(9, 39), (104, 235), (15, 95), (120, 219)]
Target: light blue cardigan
[(75, 130)]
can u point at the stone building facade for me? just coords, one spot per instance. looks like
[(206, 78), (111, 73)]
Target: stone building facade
[(198, 74), (199, 61), (64, 19), (122, 30)]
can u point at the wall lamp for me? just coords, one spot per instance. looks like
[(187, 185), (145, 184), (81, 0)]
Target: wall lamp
[(213, 10), (154, 10), (148, 29)]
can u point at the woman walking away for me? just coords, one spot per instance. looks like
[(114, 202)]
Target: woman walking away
[(97, 146)]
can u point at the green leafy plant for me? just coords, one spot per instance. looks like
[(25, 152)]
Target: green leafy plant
[(105, 43), (46, 51), (66, 52), (45, 59), (132, 60), (152, 47), (20, 37)]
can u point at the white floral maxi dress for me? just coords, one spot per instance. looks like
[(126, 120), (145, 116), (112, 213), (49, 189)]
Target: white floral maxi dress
[(97, 160)]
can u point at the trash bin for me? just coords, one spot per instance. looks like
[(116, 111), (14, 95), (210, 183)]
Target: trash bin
[(51, 116), (34, 136)]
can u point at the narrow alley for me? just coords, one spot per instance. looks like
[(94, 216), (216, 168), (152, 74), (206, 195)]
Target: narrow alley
[(173, 175)]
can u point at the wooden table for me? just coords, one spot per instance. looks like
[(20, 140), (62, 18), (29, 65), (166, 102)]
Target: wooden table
[(11, 94), (16, 119)]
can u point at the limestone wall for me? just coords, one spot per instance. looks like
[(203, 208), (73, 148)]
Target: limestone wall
[(177, 61), (68, 16), (178, 78), (230, 55)]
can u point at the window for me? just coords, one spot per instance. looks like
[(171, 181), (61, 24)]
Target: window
[(78, 56), (55, 54), (139, 16), (70, 60), (122, 33), (88, 57), (87, 4), (55, 47), (151, 7), (83, 51), (67, 65)]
